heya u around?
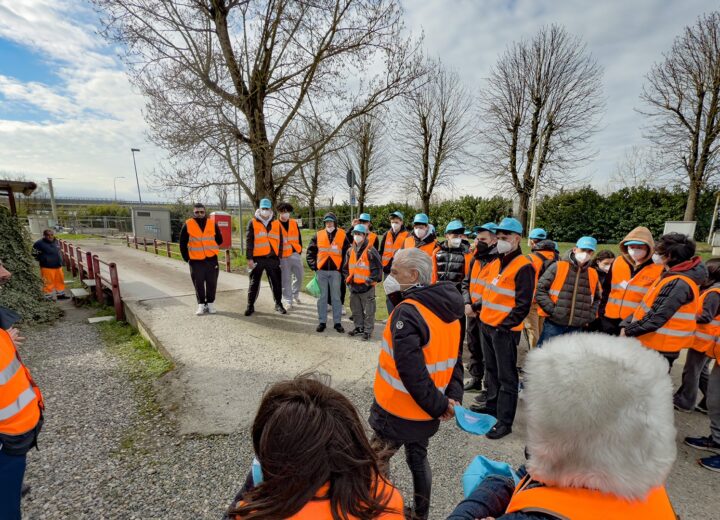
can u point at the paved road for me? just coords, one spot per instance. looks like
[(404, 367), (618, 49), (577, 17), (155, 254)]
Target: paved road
[(224, 362)]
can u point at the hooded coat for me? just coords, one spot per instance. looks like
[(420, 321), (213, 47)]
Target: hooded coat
[(445, 301)]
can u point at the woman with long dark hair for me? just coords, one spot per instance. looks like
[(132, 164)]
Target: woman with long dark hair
[(315, 459)]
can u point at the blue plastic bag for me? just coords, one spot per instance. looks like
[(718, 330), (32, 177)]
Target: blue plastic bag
[(482, 467), (471, 422)]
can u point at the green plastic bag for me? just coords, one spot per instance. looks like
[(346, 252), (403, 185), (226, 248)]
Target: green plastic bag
[(313, 287)]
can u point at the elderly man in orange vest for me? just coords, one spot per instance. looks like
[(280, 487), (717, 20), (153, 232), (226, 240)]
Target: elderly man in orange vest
[(21, 406), (419, 378), (264, 246), (199, 241)]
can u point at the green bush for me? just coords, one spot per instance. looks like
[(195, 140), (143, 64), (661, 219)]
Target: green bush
[(23, 293)]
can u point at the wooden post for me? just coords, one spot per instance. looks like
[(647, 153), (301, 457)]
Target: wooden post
[(98, 279), (89, 264), (145, 244), (155, 245), (136, 242), (73, 267), (227, 260), (117, 300), (167, 247)]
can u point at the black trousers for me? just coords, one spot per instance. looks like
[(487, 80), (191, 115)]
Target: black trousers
[(610, 325), (272, 267), (474, 345), (501, 374), (417, 461), (204, 275)]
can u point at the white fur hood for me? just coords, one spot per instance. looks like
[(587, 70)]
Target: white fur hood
[(599, 415)]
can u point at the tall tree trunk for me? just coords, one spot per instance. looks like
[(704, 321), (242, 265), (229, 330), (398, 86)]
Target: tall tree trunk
[(693, 191), (426, 203), (522, 215)]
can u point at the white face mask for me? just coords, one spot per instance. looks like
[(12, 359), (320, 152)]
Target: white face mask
[(636, 254), (391, 285), (329, 229), (420, 232), (395, 226), (604, 268), (284, 217), (657, 259), (454, 242), (504, 246), (358, 238), (265, 213), (581, 257)]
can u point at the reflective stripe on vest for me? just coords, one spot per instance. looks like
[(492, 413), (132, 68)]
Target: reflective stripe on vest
[(440, 353), (291, 238), (586, 504), (428, 248), (201, 242), (621, 273), (392, 246), (563, 270), (477, 281), (359, 269), (637, 288), (679, 331), (499, 291), (330, 251), (20, 399), (266, 241), (707, 334)]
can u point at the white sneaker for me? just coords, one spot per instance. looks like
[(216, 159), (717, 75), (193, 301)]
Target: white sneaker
[(200, 310), (288, 305), (211, 308)]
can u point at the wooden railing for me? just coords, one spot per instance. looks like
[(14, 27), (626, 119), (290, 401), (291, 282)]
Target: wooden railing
[(169, 249)]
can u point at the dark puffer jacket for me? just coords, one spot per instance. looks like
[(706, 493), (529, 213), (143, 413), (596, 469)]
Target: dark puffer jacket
[(451, 263), (578, 303)]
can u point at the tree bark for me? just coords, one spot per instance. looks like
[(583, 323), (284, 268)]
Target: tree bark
[(522, 215), (693, 191)]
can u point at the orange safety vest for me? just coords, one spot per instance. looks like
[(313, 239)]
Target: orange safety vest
[(441, 354), (428, 248), (538, 259), (634, 291), (291, 239), (201, 242), (587, 504), (477, 281), (499, 291), (707, 335), (372, 237), (264, 239), (563, 269), (621, 274), (679, 331), (20, 399), (390, 248), (359, 269), (330, 251)]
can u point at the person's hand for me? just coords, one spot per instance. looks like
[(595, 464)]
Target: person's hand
[(15, 336), (622, 333), (251, 264), (469, 312), (450, 412)]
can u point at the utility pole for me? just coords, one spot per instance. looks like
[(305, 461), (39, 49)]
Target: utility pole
[(533, 203), (115, 185), (714, 217), (137, 179), (52, 200)]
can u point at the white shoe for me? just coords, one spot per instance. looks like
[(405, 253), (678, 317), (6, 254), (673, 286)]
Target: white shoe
[(211, 308), (200, 310), (343, 311), (288, 305)]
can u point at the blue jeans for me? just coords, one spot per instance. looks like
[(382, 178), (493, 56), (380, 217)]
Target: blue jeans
[(12, 471), (550, 330), (329, 282)]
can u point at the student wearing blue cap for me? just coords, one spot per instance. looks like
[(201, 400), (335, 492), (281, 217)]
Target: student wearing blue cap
[(507, 288), (366, 220), (452, 257), (569, 292), (264, 245), (362, 270), (422, 237)]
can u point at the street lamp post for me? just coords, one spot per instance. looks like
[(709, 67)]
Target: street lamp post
[(137, 179), (115, 185)]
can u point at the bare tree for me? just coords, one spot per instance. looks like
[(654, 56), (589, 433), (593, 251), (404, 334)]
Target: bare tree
[(683, 98), (541, 105), (366, 156), (434, 132), (278, 62)]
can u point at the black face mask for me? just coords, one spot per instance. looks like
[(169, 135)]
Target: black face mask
[(481, 248)]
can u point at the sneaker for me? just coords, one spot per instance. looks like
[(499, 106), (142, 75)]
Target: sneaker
[(297, 300), (355, 332), (321, 327), (366, 336), (703, 443), (474, 384), (711, 463), (249, 310), (339, 328), (200, 309), (280, 309), (478, 408), (499, 431), (288, 305), (211, 308), (481, 398), (681, 409), (343, 311), (702, 406)]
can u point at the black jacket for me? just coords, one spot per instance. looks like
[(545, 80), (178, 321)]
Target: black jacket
[(484, 258), (673, 296), (48, 253), (711, 306), (383, 239), (250, 238), (408, 341), (185, 237), (375, 268), (450, 263), (524, 290), (577, 303), (312, 252)]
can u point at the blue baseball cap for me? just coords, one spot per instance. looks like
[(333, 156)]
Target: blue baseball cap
[(455, 226), (635, 243), (511, 225), (360, 228), (587, 243), (421, 218), (365, 216), (265, 204), (538, 234), (397, 214), (488, 226)]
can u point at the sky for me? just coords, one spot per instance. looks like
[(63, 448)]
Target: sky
[(67, 110)]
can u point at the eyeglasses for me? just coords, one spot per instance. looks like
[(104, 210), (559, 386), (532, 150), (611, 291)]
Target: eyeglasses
[(199, 212)]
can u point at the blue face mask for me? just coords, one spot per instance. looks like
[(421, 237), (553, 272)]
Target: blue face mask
[(475, 423), (480, 468), (257, 474)]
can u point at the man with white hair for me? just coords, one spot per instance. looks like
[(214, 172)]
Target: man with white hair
[(600, 436), (419, 378)]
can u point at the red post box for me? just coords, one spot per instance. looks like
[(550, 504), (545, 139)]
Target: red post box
[(224, 222)]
